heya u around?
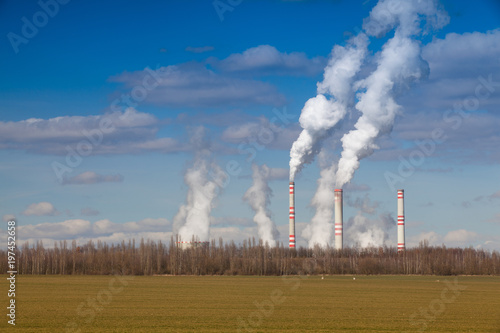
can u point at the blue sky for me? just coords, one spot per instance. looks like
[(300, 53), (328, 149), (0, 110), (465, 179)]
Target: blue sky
[(232, 73)]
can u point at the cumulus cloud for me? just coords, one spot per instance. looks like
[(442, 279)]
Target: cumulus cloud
[(41, 209), (84, 229), (267, 60), (471, 53), (146, 225), (57, 230), (458, 143), (263, 131), (112, 133), (433, 239), (194, 85), (459, 80), (454, 238), (460, 237), (90, 177), (458, 64)]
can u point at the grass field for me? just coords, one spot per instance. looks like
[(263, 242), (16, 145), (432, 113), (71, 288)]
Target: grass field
[(255, 304)]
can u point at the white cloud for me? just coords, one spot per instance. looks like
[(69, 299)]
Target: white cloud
[(454, 238), (263, 132), (229, 228), (58, 230), (90, 177), (113, 133), (460, 237), (194, 85), (463, 55), (461, 137), (41, 209), (267, 60), (457, 63), (433, 238), (84, 229), (146, 225)]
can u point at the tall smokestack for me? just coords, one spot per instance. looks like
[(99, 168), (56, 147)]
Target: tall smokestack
[(401, 221), (339, 220), (292, 214)]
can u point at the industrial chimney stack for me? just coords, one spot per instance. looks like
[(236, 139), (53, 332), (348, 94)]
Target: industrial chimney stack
[(292, 215), (339, 220), (401, 221)]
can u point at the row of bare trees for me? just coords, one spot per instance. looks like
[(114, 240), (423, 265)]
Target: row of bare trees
[(250, 258)]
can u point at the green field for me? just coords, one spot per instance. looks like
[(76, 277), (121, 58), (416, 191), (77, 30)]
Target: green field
[(255, 304)]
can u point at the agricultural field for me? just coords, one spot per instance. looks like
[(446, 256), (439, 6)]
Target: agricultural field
[(255, 304)]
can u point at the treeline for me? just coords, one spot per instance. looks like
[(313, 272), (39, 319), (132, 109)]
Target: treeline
[(250, 258)]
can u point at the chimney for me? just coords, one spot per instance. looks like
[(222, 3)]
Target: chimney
[(292, 215), (401, 221), (339, 220)]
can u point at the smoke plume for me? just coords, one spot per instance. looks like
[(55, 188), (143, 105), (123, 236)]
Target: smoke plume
[(364, 232), (258, 197), (320, 115), (319, 231), (204, 180), (398, 65)]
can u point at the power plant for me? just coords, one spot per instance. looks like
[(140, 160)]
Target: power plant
[(401, 221), (292, 215), (339, 219)]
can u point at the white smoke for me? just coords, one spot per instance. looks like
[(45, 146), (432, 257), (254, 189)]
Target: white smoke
[(364, 232), (258, 197), (398, 65), (320, 230), (204, 180), (361, 231), (320, 115)]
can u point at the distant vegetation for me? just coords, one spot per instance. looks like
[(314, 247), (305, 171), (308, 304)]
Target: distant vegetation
[(250, 258)]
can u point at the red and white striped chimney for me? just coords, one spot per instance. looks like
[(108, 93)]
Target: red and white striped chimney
[(292, 215), (401, 221), (339, 219)]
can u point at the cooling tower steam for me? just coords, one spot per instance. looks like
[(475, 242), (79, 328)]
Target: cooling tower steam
[(398, 65), (204, 181), (319, 231), (321, 114), (258, 197), (365, 232)]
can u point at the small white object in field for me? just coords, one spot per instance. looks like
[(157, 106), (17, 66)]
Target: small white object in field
[(354, 278), (322, 278)]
